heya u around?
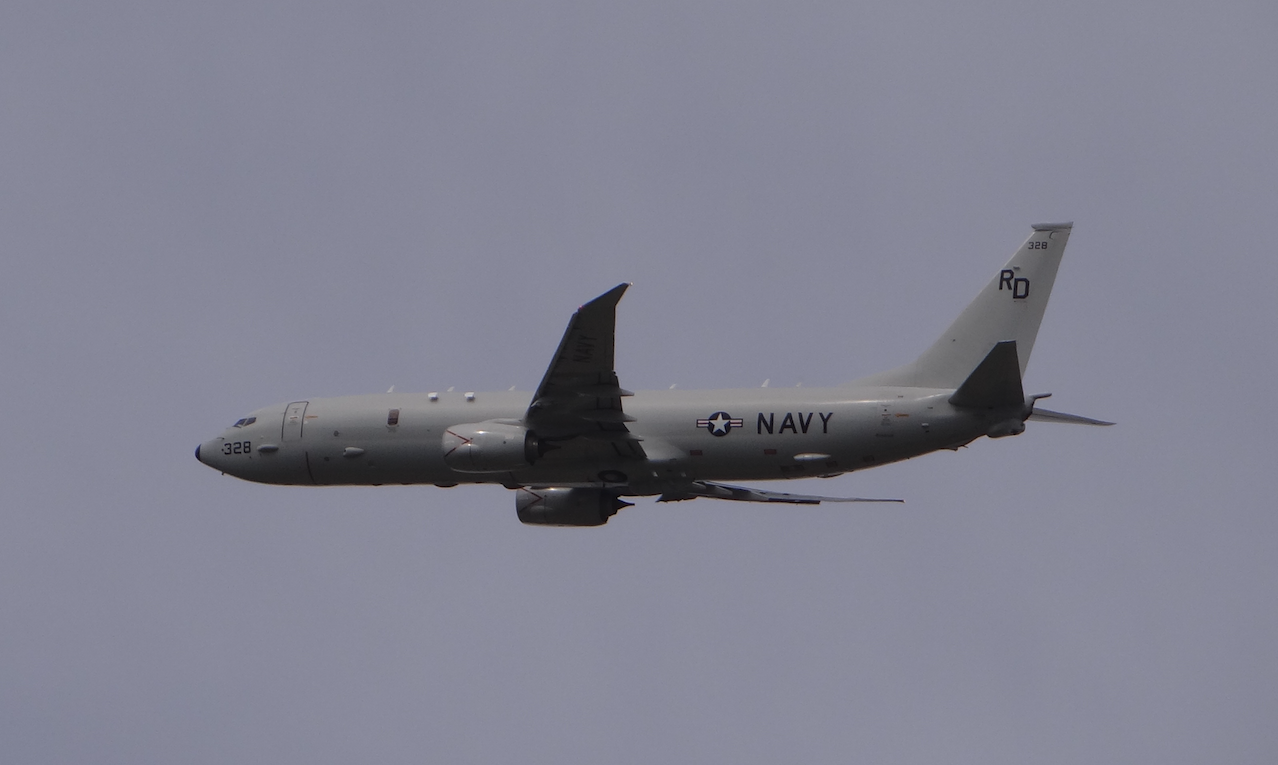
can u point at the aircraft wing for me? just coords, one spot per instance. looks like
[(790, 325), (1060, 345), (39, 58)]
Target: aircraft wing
[(745, 494), (580, 396)]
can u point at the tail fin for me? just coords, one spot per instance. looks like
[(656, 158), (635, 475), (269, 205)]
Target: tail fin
[(1010, 308)]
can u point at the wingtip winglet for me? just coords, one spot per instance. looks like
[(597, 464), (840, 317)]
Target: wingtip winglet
[(611, 297)]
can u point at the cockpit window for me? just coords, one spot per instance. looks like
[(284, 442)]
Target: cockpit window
[(239, 423), (244, 422)]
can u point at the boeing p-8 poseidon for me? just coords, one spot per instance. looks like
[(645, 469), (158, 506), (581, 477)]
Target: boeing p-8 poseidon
[(581, 442)]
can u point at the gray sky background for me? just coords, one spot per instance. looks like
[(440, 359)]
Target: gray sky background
[(207, 208)]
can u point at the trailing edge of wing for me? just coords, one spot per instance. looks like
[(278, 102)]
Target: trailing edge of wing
[(1046, 415), (746, 494)]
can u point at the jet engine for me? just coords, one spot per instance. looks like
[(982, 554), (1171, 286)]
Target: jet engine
[(566, 507), (489, 447)]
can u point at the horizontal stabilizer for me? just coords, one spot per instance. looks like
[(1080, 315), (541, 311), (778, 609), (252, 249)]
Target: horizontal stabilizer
[(1046, 415), (995, 383), (745, 494)]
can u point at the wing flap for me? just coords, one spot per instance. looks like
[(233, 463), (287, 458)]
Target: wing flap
[(711, 490)]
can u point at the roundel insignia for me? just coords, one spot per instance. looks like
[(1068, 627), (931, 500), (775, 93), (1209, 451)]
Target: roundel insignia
[(720, 423)]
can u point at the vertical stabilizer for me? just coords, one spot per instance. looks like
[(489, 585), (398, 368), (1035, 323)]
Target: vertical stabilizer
[(1010, 308)]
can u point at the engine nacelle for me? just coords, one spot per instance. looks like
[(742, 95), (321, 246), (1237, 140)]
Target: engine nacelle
[(566, 507), (488, 447)]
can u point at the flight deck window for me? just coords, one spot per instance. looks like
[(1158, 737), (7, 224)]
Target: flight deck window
[(239, 423), (393, 417)]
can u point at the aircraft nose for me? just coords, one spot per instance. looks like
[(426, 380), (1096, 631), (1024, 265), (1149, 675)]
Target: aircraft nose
[(208, 454)]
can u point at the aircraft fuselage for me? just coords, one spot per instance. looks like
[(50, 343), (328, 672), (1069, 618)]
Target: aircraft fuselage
[(759, 434)]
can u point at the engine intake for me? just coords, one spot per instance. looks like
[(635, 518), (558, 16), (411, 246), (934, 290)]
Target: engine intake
[(489, 447), (567, 507)]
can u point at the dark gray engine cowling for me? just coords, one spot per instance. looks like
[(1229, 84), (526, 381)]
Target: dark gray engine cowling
[(488, 447), (567, 507)]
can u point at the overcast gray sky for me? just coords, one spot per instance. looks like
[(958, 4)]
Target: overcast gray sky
[(208, 208)]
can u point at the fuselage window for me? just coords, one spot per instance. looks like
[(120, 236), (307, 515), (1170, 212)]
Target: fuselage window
[(393, 417)]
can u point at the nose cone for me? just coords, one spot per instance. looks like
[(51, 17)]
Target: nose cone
[(210, 453)]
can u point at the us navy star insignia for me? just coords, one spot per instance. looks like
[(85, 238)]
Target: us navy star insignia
[(720, 423)]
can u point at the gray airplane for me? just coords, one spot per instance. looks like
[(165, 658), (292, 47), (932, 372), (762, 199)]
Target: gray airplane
[(581, 441)]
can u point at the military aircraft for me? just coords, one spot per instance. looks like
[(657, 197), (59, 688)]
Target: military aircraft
[(581, 442)]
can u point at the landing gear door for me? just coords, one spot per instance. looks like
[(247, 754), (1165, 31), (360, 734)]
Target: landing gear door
[(294, 419)]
